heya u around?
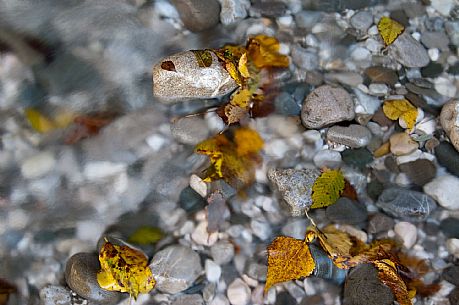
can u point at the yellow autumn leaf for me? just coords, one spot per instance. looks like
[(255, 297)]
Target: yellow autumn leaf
[(242, 66), (327, 188), (124, 269), (263, 51), (233, 158), (388, 274), (288, 259), (389, 29), (146, 235), (241, 98), (39, 122), (401, 109), (233, 72)]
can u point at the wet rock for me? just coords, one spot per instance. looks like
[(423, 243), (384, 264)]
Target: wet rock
[(432, 70), (327, 158), (419, 171), (448, 157), (198, 15), (286, 104), (437, 40), (188, 299), (358, 158), (362, 20), (406, 204), (451, 274), (453, 296), (454, 69), (351, 79), (325, 268), (307, 19), (402, 144), (366, 104), (233, 10), (450, 227), (295, 227), (326, 105), (295, 187), (337, 6), (56, 295), (304, 58), (284, 298), (268, 8), (81, 276), (449, 119), (380, 223), (444, 190), (38, 165), (354, 135), (190, 130), (407, 233), (238, 292), (409, 52), (180, 77), (347, 211), (374, 189), (175, 268), (383, 75), (363, 287)]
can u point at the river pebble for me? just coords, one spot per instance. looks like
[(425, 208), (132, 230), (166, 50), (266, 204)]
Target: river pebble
[(198, 15), (443, 190), (354, 136), (449, 119), (409, 52), (347, 211), (238, 292)]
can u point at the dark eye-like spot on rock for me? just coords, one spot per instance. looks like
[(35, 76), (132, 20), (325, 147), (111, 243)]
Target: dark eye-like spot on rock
[(168, 65)]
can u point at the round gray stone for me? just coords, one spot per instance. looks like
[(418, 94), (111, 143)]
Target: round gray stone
[(406, 204), (175, 268), (81, 276), (326, 105), (362, 20), (198, 15), (190, 130), (347, 211), (179, 78), (354, 135), (409, 52)]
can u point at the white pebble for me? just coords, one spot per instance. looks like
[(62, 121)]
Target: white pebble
[(202, 237), (452, 245), (213, 271), (445, 87), (198, 185), (156, 142), (260, 229), (373, 30), (238, 292), (444, 190), (360, 54), (378, 89), (434, 54), (442, 6), (38, 165), (285, 21), (407, 233), (102, 169), (219, 300)]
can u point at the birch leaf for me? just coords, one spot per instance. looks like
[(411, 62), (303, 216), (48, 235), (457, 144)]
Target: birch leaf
[(395, 109), (389, 29), (327, 188), (387, 273)]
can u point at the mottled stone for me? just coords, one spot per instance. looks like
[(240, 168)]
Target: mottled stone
[(198, 15), (406, 204), (449, 119), (175, 268), (363, 287), (419, 171), (354, 135), (326, 105), (56, 295), (295, 187), (402, 144), (180, 77), (81, 276), (409, 52)]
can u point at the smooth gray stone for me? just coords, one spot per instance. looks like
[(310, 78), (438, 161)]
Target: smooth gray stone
[(198, 15), (354, 135), (81, 276), (420, 171), (175, 268), (362, 20), (448, 157), (326, 105), (380, 223), (190, 130), (409, 52), (295, 187), (406, 204), (347, 211)]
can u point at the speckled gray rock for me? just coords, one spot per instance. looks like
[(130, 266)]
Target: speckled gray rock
[(233, 10), (363, 287), (406, 204), (326, 105), (347, 211), (380, 223), (419, 171), (295, 187), (55, 295), (198, 15), (409, 52), (362, 20), (449, 119), (354, 135), (179, 77), (81, 276), (175, 268), (190, 130)]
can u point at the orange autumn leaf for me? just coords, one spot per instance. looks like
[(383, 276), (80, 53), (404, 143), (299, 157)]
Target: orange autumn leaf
[(288, 259), (387, 273), (263, 51), (124, 269), (233, 156), (389, 29)]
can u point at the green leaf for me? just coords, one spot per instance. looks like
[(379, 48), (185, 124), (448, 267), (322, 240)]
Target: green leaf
[(327, 188)]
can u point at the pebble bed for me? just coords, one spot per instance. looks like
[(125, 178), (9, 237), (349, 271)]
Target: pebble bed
[(58, 202)]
